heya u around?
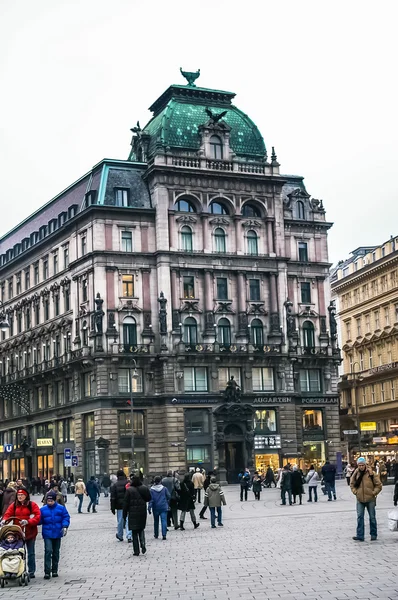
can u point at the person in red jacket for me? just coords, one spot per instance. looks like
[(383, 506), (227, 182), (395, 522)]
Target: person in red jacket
[(29, 514)]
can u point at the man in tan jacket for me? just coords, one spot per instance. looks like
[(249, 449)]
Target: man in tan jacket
[(366, 485), (198, 481), (80, 490)]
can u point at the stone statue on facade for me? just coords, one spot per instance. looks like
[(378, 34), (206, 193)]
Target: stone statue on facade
[(332, 321), (290, 319), (249, 440), (220, 438), (162, 314), (98, 314), (232, 391)]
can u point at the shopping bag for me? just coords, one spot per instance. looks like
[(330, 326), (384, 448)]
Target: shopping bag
[(76, 501), (393, 520)]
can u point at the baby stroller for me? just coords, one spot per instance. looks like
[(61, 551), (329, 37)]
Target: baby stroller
[(13, 562)]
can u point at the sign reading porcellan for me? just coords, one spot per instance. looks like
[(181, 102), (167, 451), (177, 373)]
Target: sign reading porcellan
[(271, 400), (331, 400)]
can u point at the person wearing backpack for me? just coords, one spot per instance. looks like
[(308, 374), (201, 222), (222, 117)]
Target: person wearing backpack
[(365, 485), (173, 486), (244, 480)]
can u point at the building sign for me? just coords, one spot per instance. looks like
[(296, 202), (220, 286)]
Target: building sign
[(271, 400), (68, 457), (393, 440), (382, 368), (8, 448), (41, 442), (368, 426), (194, 401), (75, 461), (332, 400), (380, 440), (267, 441)]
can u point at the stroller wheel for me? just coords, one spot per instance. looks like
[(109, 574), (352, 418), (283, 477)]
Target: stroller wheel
[(20, 580), (2, 582)]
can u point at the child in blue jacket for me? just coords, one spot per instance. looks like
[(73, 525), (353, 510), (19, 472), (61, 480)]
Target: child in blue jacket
[(160, 498), (55, 521)]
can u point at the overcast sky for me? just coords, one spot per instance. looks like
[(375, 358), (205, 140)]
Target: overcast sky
[(318, 78)]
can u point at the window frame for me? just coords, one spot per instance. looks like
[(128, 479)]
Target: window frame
[(196, 386), (128, 285), (216, 147), (305, 376), (305, 292), (220, 240), (266, 380), (126, 241), (303, 251)]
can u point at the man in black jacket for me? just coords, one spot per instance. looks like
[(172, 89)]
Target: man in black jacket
[(286, 484), (329, 477), (118, 492), (134, 512)]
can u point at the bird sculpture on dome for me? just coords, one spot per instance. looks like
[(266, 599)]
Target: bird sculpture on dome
[(215, 118), (190, 77)]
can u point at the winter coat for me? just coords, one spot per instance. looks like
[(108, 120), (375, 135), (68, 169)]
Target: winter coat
[(134, 506), (369, 486), (286, 480), (106, 481), (256, 485), (160, 498), (269, 476), (28, 511), (198, 480), (118, 491), (244, 480), (92, 489), (396, 494), (173, 486), (60, 498), (214, 496), (329, 473), (9, 497), (187, 496), (64, 488), (53, 520), (80, 488), (297, 483), (206, 482), (312, 478)]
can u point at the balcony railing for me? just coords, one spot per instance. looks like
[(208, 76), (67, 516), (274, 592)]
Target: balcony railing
[(314, 350), (133, 348), (231, 348)]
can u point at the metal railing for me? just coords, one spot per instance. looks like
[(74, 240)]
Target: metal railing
[(134, 348)]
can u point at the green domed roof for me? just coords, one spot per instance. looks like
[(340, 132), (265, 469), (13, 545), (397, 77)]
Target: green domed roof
[(180, 111)]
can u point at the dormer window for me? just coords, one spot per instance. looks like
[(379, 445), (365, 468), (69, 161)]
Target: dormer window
[(216, 147), (122, 197), (300, 210)]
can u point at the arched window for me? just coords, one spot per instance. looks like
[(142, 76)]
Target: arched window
[(308, 334), (216, 148), (257, 332), (252, 242), (218, 209), (219, 237), (186, 238), (249, 210), (300, 210), (129, 333), (190, 333), (224, 332), (184, 206)]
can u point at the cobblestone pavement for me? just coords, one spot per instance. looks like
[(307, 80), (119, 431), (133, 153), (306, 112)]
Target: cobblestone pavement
[(264, 551)]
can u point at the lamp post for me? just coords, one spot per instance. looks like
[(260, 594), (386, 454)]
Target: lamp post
[(4, 324), (132, 375), (355, 377)]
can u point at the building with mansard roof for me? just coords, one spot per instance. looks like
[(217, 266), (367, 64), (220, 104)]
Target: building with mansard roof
[(182, 293)]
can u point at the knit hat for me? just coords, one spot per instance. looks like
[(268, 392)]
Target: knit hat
[(22, 491), (52, 495), (361, 461)]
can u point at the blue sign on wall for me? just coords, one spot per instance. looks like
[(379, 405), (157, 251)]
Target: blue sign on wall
[(8, 447), (75, 461)]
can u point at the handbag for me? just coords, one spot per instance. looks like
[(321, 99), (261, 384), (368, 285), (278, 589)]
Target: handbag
[(174, 493)]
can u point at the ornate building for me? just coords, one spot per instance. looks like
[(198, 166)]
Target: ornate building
[(365, 290), (149, 285)]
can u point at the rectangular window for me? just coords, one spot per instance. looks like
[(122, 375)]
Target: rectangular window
[(198, 454), (303, 251), (36, 273), (56, 305), (364, 396), (125, 423), (392, 390), (377, 319), (37, 314), (310, 380), (27, 279), (254, 289), (87, 384), (222, 288), (197, 421), (66, 256), (55, 263), (84, 290), (195, 379), (373, 394), (10, 289), (19, 285), (225, 374), (383, 393), (386, 316), (83, 244), (46, 304), (124, 381), (359, 333), (127, 286), (361, 361), (189, 287), (122, 197), (367, 323), (127, 241), (45, 268), (305, 292), (312, 420), (263, 379), (67, 299), (50, 394), (383, 252), (89, 428), (40, 398), (348, 330), (374, 256), (370, 359)]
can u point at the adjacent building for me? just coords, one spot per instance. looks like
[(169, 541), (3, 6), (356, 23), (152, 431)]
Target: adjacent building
[(366, 293), (150, 287)]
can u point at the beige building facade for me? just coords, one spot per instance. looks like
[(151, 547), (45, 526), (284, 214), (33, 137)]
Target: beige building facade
[(365, 288)]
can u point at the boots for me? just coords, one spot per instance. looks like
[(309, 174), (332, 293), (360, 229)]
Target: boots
[(196, 525), (182, 526)]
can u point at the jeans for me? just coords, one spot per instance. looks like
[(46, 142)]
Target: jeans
[(313, 488), (119, 514), (191, 512), (213, 515), (243, 489), (30, 548), (257, 495), (283, 496), (197, 494), (331, 489), (348, 479), (52, 547), (92, 503), (294, 497), (371, 508), (79, 508), (138, 539), (163, 521)]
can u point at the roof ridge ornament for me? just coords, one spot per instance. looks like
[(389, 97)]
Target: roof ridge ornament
[(190, 77)]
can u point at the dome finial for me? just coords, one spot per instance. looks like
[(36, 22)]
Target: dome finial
[(190, 77), (273, 155)]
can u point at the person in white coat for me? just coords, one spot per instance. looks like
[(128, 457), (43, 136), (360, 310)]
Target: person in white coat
[(312, 479)]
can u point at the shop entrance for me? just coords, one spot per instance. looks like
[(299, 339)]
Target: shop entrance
[(234, 460), (263, 461)]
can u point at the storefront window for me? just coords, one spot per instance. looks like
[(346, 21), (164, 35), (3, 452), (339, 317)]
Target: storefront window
[(265, 421), (312, 420), (196, 421), (313, 454), (45, 466), (139, 458), (125, 423), (197, 454), (263, 461)]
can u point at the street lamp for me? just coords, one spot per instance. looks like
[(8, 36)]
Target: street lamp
[(215, 332), (355, 377), (4, 324), (132, 375)]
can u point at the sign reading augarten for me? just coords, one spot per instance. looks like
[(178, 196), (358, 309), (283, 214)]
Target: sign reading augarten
[(272, 400)]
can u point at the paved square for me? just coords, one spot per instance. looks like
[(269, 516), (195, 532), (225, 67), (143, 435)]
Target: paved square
[(264, 551)]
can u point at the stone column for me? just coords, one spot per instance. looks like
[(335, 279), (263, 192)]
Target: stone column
[(205, 234), (287, 428), (242, 314), (238, 236), (79, 443), (144, 238), (270, 236), (274, 313), (175, 301)]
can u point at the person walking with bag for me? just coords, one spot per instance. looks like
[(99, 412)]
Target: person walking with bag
[(214, 498), (118, 491), (55, 521), (134, 512), (173, 486), (187, 502), (159, 503), (312, 479), (80, 490), (93, 491), (365, 485)]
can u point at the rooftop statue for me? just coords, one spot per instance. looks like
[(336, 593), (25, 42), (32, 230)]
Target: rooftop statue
[(190, 77), (215, 118)]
